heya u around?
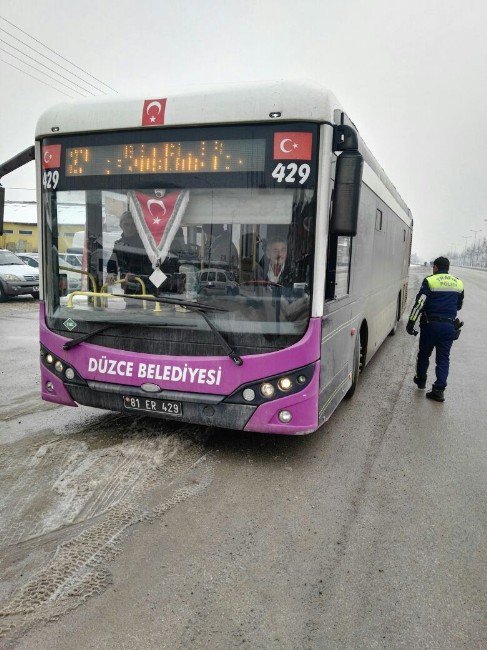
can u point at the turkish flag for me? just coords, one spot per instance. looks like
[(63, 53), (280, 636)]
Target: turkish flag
[(51, 156), (153, 112), (157, 211), (292, 145)]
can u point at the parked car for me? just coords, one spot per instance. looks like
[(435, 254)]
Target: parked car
[(217, 281), (72, 259), (68, 261), (16, 277), (32, 259)]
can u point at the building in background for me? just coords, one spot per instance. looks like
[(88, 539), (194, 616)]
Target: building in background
[(20, 231)]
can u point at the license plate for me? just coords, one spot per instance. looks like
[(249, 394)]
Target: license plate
[(149, 405)]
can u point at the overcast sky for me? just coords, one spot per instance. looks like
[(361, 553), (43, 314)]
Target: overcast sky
[(412, 75)]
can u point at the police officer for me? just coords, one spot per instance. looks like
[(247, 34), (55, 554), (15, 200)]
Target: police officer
[(438, 300)]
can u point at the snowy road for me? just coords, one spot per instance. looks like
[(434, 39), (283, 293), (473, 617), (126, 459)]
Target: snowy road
[(369, 533)]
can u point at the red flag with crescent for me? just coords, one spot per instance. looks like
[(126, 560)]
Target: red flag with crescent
[(51, 156), (153, 112), (292, 145), (157, 216)]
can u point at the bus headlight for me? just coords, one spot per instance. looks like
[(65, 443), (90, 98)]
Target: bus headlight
[(59, 366), (274, 387), (285, 416), (284, 384), (267, 389), (69, 372), (248, 394), (49, 359)]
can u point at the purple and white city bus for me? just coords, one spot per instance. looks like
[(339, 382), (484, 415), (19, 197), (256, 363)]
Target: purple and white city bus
[(243, 255)]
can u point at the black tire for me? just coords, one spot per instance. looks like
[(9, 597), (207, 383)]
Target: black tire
[(357, 351), (398, 316), (3, 295), (35, 295)]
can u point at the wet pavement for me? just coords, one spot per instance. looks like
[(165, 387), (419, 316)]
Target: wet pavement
[(130, 532)]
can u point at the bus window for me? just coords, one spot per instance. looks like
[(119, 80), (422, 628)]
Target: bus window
[(342, 278), (337, 283)]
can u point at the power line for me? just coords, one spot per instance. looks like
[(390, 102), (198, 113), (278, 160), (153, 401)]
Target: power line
[(54, 62), (31, 75), (59, 55), (42, 72), (43, 65)]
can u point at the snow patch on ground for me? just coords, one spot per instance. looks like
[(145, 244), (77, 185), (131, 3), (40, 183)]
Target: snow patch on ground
[(75, 495)]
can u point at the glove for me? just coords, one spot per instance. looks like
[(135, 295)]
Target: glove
[(458, 324), (410, 328)]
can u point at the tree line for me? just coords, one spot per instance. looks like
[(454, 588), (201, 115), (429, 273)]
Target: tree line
[(473, 255)]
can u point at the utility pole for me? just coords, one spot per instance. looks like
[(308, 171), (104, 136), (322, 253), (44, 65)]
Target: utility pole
[(464, 256), (475, 234), (474, 252)]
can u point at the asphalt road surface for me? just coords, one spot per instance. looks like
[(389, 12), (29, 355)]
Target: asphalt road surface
[(135, 533)]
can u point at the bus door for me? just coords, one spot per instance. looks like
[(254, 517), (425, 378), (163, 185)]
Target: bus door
[(337, 341)]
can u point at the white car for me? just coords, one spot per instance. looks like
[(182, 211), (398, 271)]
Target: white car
[(16, 277), (72, 259), (71, 271), (32, 259), (217, 281)]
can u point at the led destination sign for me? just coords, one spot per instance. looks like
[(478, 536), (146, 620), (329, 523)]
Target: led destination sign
[(201, 156)]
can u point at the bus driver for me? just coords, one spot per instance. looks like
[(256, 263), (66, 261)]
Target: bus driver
[(275, 266)]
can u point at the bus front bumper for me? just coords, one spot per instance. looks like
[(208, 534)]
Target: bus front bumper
[(205, 410)]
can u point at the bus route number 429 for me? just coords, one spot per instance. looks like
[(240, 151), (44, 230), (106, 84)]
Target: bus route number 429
[(287, 173), (50, 180)]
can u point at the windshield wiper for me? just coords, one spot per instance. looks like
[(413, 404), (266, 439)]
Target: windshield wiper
[(200, 308), (84, 337)]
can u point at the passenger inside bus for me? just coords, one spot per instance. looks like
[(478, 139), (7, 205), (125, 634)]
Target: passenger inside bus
[(129, 259)]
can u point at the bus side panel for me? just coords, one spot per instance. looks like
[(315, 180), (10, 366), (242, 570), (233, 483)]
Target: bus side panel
[(378, 263), (378, 276)]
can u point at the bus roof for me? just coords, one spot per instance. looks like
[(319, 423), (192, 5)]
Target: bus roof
[(229, 103), (219, 104)]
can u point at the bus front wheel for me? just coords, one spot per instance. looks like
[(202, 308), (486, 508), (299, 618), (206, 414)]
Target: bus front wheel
[(357, 351)]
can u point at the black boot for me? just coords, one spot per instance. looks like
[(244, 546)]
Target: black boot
[(420, 383), (436, 394)]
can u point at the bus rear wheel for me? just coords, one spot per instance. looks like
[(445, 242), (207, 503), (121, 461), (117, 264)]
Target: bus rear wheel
[(398, 316), (357, 354)]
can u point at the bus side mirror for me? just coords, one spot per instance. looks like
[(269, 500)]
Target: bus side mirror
[(2, 207), (346, 194)]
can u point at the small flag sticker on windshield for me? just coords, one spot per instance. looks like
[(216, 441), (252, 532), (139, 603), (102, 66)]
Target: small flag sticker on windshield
[(69, 324)]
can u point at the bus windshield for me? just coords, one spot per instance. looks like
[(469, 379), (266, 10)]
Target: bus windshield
[(222, 216)]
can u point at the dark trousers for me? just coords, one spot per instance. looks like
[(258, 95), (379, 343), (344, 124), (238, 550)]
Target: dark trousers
[(440, 336)]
